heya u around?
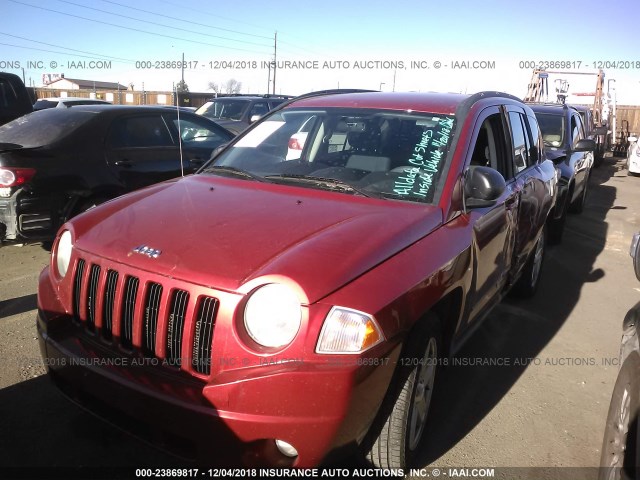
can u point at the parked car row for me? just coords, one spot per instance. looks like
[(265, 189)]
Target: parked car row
[(281, 291), (566, 143)]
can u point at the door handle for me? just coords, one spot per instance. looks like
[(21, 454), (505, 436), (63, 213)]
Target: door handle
[(126, 163), (196, 161)]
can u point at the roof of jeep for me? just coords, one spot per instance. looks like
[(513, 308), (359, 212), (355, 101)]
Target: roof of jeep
[(431, 102)]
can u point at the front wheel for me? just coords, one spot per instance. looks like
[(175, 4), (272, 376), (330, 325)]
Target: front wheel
[(400, 428)]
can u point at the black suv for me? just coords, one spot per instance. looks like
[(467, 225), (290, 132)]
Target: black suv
[(58, 162), (237, 112), (567, 145), (594, 132), (14, 98)]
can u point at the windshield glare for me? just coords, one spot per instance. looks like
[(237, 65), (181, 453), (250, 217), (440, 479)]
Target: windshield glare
[(552, 127), (227, 109), (379, 153)]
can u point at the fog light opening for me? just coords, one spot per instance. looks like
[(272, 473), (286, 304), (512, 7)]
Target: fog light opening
[(286, 448)]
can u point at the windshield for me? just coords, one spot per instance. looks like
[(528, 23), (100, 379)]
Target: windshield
[(224, 109), (552, 127), (377, 153)]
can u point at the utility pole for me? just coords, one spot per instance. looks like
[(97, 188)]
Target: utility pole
[(275, 60)]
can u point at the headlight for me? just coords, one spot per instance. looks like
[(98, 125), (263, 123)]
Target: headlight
[(272, 315), (63, 252), (348, 331)]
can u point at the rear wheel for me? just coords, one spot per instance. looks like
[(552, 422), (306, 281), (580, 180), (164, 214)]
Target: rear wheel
[(527, 284), (578, 205), (556, 227), (400, 428)]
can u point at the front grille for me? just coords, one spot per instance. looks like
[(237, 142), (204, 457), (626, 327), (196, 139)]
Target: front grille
[(142, 315)]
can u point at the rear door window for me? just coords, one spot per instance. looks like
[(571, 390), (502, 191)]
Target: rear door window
[(139, 131)]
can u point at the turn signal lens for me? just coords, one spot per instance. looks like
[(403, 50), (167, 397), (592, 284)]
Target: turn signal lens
[(348, 331)]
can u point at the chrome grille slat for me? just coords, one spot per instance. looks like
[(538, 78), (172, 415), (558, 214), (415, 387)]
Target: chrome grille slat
[(175, 327), (203, 335), (92, 296), (108, 304), (151, 310), (128, 310), (77, 289)]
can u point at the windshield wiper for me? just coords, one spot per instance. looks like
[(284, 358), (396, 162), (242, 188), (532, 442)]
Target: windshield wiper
[(238, 172), (331, 183)]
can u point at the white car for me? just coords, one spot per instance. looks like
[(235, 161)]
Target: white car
[(65, 102), (633, 155)]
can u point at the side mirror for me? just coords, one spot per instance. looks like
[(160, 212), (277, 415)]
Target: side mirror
[(601, 130), (255, 118), (635, 254), (585, 145), (482, 187), (632, 139)]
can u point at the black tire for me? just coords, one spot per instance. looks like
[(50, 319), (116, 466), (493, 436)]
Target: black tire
[(619, 458), (555, 227), (528, 282), (578, 205), (401, 424)]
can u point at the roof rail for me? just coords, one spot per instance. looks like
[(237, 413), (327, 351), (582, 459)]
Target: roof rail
[(319, 93)]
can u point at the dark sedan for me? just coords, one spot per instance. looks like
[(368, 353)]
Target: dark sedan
[(567, 145), (57, 163)]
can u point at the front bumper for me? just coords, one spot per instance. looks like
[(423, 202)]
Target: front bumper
[(231, 418)]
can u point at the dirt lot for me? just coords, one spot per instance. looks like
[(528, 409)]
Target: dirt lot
[(543, 405)]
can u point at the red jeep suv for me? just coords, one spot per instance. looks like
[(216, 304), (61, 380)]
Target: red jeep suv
[(283, 304)]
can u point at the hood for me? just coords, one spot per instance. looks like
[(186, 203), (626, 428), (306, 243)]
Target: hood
[(234, 126), (555, 154), (223, 233)]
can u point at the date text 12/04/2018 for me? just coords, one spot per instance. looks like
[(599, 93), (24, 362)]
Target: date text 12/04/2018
[(578, 64)]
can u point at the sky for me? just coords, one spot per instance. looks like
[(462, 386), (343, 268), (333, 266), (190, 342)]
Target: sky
[(402, 45)]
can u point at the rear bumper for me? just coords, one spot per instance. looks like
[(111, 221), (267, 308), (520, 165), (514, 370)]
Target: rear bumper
[(25, 218), (8, 218)]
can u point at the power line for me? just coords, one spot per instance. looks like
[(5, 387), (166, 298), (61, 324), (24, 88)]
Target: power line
[(191, 22), (201, 12), (51, 51), (135, 29), (95, 55), (160, 24)]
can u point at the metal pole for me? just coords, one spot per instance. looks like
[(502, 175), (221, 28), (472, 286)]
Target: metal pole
[(275, 60)]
